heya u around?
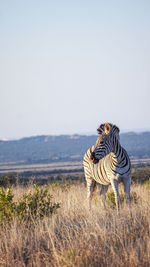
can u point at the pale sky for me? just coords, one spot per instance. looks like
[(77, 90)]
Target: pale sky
[(67, 66)]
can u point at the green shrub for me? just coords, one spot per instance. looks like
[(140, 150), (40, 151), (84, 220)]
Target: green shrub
[(147, 184), (31, 207), (36, 205), (7, 206), (110, 198), (141, 175), (7, 180)]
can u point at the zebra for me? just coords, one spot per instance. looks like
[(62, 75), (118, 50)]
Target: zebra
[(107, 162)]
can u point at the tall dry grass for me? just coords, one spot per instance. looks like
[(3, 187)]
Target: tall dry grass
[(74, 236)]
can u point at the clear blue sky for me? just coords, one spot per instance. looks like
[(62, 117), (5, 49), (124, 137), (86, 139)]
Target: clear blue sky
[(67, 66)]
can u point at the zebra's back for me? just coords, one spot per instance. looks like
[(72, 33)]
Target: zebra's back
[(96, 171)]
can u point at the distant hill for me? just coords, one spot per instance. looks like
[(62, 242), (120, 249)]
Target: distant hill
[(66, 147)]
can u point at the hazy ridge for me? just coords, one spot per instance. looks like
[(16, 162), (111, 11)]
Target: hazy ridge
[(48, 148)]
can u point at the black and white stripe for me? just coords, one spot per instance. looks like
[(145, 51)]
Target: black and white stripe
[(107, 163)]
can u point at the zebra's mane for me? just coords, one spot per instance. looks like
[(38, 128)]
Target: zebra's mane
[(101, 128)]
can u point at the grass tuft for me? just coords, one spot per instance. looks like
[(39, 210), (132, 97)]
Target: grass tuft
[(75, 236)]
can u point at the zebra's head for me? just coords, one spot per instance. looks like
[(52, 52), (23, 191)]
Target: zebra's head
[(108, 139)]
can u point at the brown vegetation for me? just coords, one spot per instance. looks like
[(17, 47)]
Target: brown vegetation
[(74, 236)]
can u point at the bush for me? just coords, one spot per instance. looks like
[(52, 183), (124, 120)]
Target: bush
[(36, 205), (140, 175), (147, 184), (32, 206), (7, 180), (7, 206), (110, 199)]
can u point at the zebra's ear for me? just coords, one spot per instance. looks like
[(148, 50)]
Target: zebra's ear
[(107, 128), (101, 128)]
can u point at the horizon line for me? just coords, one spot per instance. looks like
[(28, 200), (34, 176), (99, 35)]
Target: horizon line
[(138, 130)]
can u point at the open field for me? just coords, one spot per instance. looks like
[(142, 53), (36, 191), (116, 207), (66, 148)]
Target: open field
[(75, 236), (52, 168)]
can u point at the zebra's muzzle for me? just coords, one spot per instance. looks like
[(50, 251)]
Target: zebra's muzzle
[(93, 158), (92, 155)]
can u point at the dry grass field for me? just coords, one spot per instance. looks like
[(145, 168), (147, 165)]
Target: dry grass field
[(75, 236)]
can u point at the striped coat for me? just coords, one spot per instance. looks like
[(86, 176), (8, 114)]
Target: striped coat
[(107, 163)]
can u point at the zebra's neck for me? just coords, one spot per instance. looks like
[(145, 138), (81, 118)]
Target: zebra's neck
[(118, 150), (120, 159)]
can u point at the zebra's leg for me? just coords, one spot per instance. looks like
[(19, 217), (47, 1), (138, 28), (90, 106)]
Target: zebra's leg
[(91, 185), (114, 184), (127, 183), (103, 192)]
